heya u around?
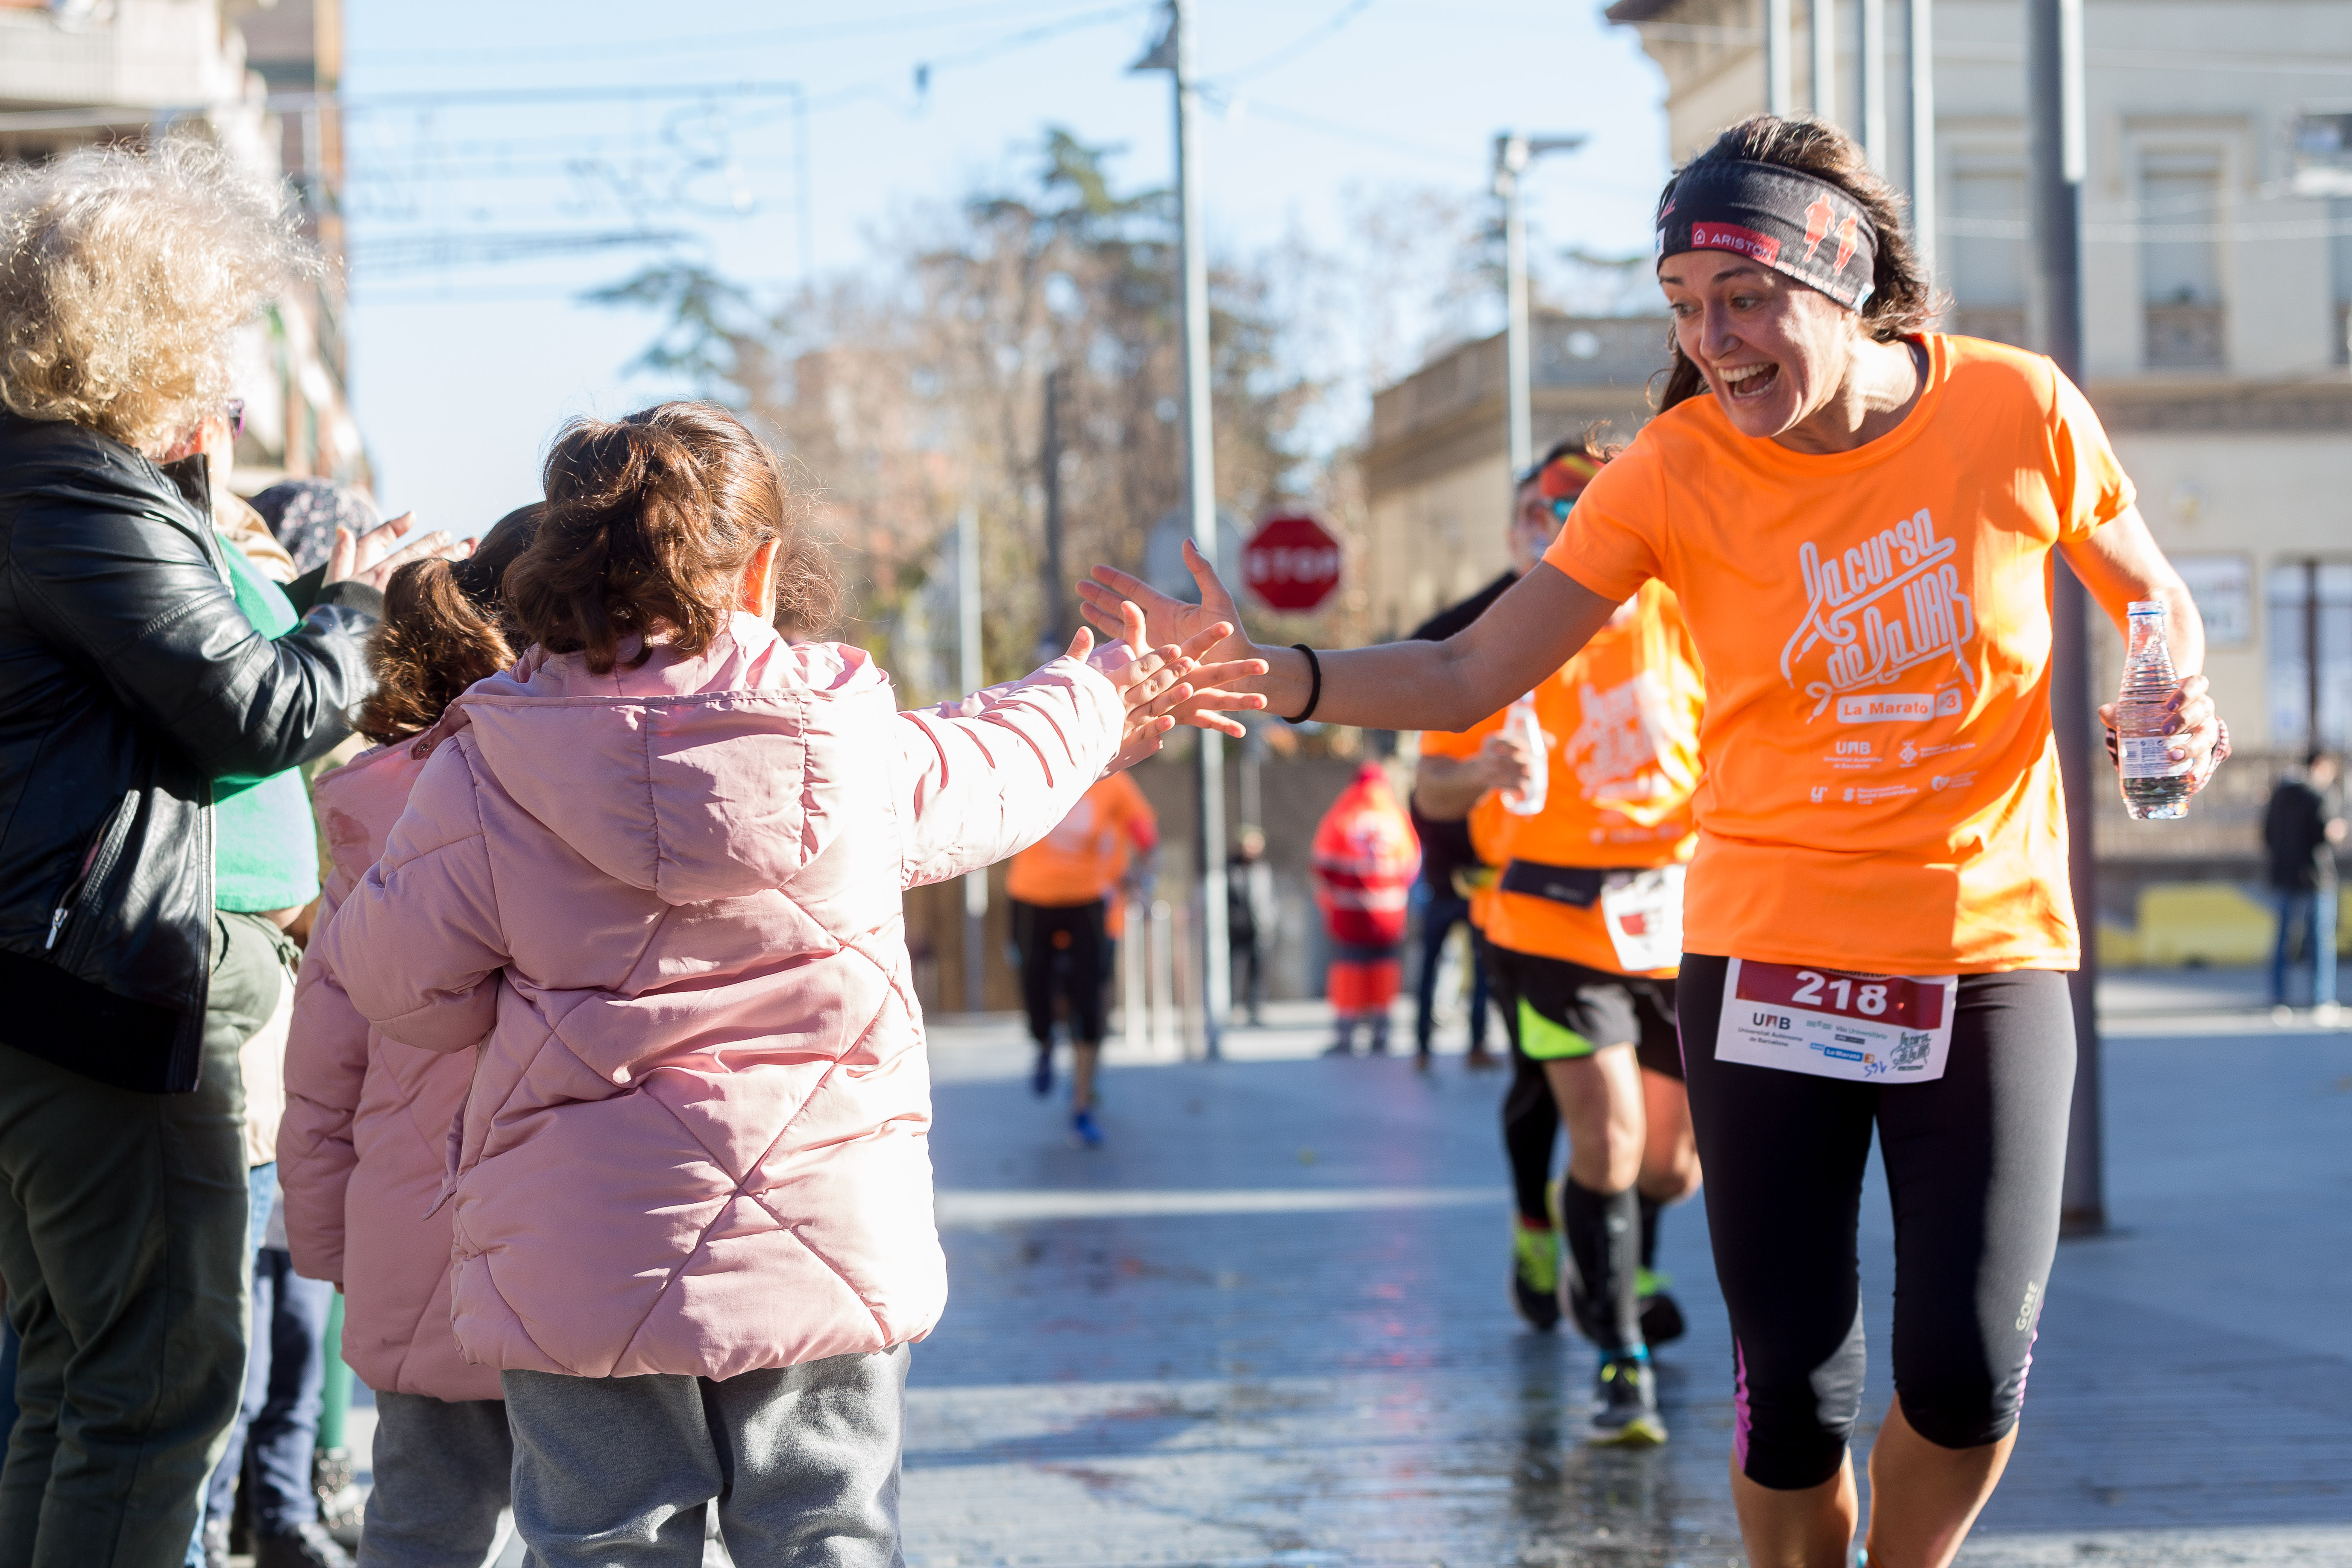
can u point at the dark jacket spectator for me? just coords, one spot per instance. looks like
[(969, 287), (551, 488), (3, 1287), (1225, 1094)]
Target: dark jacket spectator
[(132, 692)]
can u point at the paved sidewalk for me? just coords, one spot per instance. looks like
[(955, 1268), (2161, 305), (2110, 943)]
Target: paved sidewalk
[(1267, 1324)]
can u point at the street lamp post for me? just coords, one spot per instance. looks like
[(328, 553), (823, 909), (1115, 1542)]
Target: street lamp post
[(1513, 153), (1174, 54), (2054, 94), (974, 676), (1780, 92)]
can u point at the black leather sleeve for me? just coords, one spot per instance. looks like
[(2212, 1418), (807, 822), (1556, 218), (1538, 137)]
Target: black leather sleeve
[(312, 588), (126, 581)]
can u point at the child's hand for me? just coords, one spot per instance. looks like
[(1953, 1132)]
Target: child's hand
[(1151, 684)]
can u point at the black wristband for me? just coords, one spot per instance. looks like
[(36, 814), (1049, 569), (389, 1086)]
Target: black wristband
[(1314, 692)]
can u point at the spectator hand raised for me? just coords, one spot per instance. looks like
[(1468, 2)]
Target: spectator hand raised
[(372, 557)]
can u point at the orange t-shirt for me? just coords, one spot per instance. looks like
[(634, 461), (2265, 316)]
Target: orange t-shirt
[(1621, 724), (1083, 857), (1882, 788)]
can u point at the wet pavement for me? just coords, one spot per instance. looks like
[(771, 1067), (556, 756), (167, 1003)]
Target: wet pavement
[(1267, 1324)]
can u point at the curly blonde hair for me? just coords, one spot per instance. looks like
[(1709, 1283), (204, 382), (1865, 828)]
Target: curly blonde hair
[(122, 275)]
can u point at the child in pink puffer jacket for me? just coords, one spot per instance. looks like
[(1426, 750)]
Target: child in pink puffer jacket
[(363, 1147), (653, 885)]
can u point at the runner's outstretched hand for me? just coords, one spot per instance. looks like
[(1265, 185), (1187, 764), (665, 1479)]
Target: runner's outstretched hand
[(1230, 665)]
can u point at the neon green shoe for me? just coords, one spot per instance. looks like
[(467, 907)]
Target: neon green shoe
[(1626, 1404), (1535, 1274)]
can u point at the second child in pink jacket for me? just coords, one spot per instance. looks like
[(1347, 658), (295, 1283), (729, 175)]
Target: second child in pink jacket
[(362, 1151), (654, 888)]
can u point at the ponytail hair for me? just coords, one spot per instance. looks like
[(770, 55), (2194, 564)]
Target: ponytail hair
[(1902, 298), (444, 629), (651, 521)]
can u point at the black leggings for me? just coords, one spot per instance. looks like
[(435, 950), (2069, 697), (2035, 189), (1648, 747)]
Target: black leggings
[(1974, 1160), (1063, 948)]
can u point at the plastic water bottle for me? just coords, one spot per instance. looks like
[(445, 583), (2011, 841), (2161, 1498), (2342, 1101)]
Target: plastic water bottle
[(2154, 784), (1521, 723)]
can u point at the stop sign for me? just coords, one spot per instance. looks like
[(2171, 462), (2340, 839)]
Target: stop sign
[(1291, 564)]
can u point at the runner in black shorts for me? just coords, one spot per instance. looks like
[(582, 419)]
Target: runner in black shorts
[(1859, 516), (1578, 937)]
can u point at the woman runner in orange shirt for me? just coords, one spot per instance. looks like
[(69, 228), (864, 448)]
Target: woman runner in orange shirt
[(1860, 518)]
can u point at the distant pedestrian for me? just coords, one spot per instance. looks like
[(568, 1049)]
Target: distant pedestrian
[(139, 696), (357, 1154), (1366, 857), (1251, 913), (2301, 830), (1062, 887), (651, 884)]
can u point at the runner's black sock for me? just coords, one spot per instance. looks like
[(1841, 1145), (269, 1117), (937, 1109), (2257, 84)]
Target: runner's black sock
[(1650, 1209), (1603, 1231), (1530, 1128)]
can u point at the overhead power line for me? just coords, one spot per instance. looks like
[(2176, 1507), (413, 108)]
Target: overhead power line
[(813, 33), (1292, 50)]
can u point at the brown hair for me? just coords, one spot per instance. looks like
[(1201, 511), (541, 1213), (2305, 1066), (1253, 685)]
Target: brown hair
[(444, 629), (651, 521), (1902, 298)]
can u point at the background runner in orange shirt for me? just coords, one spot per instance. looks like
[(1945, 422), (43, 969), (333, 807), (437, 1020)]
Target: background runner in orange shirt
[(1859, 516), (1060, 887), (1580, 929)]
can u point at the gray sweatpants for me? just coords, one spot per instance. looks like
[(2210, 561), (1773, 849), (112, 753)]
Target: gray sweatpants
[(803, 1461), (442, 1475)]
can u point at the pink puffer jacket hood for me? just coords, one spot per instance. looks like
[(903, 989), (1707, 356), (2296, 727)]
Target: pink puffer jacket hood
[(363, 1148), (666, 904)]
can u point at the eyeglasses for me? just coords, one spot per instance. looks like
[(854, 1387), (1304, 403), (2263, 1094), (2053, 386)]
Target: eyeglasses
[(235, 409)]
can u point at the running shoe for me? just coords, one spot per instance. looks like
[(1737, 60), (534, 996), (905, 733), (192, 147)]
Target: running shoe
[(1041, 1076), (1084, 1132), (1662, 1317), (1625, 1403), (1535, 1274)]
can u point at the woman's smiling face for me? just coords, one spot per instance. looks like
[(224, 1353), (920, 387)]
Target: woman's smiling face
[(1773, 352)]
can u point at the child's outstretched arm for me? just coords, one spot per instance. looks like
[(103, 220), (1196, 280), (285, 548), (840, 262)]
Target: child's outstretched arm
[(418, 944), (986, 778)]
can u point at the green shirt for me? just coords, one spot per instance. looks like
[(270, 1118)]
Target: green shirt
[(264, 840)]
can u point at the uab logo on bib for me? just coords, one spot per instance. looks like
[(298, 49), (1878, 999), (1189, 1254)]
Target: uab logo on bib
[(1874, 612)]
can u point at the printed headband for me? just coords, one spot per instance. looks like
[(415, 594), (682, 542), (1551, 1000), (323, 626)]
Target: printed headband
[(1565, 476), (1791, 222), (1562, 477)]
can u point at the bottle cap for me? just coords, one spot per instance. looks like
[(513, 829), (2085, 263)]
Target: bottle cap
[(2150, 606)]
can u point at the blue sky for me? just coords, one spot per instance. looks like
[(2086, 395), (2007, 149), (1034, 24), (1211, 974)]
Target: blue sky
[(462, 368)]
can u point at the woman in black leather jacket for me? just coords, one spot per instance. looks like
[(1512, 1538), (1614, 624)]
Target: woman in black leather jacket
[(130, 681)]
